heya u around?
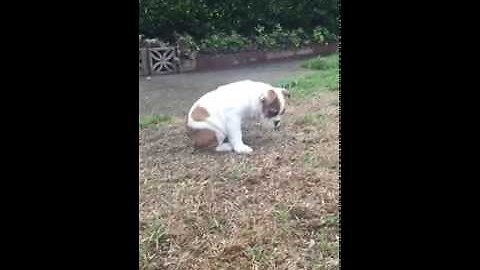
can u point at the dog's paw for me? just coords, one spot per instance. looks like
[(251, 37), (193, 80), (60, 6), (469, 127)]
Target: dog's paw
[(243, 149), (224, 147)]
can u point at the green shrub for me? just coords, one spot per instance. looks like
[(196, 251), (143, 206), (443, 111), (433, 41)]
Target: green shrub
[(276, 39), (321, 35), (264, 40), (224, 43), (160, 18), (187, 45), (280, 38)]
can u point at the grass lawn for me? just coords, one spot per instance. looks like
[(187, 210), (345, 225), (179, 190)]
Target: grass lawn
[(325, 77)]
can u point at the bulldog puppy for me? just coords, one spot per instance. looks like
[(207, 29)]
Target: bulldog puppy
[(215, 120)]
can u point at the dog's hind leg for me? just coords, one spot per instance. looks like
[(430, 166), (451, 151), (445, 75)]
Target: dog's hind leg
[(203, 138), (223, 145)]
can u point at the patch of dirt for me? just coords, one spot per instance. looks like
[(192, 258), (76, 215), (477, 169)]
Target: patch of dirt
[(272, 209)]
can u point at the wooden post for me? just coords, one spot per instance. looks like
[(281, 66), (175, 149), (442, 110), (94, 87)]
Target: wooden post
[(145, 66)]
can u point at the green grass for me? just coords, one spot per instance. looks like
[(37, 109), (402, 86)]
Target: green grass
[(153, 120), (258, 256), (156, 239), (281, 215), (324, 78), (322, 63), (327, 245), (310, 160), (332, 220), (158, 235)]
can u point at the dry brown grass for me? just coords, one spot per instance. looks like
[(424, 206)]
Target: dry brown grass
[(274, 209)]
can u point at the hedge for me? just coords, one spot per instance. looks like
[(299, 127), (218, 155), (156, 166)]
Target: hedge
[(203, 18)]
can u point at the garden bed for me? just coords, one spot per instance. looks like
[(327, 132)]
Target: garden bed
[(221, 61)]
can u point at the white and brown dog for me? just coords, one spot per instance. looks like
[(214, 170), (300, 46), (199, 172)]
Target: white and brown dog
[(215, 120)]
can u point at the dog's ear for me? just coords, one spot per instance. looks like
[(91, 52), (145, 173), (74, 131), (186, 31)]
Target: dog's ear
[(285, 93)]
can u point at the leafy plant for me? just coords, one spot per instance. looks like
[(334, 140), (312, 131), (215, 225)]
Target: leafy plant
[(222, 42), (321, 35), (187, 45), (296, 37), (264, 40)]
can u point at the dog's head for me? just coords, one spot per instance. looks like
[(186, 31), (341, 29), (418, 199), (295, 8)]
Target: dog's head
[(273, 104)]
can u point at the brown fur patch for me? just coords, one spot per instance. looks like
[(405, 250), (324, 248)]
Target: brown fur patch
[(200, 113), (202, 138), (271, 104)]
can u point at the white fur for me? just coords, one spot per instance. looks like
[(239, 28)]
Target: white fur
[(228, 106)]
